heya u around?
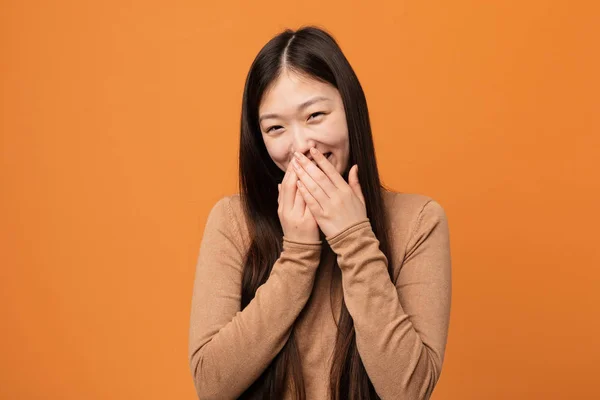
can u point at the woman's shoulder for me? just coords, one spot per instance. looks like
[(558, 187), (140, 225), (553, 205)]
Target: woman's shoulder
[(234, 202), (228, 208), (408, 211), (408, 203), (228, 205)]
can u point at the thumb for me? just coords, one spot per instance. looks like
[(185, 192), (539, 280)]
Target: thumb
[(354, 183)]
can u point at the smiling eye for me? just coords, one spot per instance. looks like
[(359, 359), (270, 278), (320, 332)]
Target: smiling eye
[(314, 115), (273, 127)]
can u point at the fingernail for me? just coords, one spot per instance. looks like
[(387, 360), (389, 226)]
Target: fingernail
[(313, 151), (297, 155)]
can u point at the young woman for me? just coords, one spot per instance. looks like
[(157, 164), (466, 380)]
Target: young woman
[(315, 281)]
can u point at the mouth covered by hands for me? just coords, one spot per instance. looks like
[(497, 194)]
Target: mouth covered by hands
[(334, 203)]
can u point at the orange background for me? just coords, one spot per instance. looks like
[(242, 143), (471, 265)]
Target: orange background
[(119, 128)]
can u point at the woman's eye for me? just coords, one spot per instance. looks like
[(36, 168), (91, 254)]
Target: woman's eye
[(273, 127), (314, 115)]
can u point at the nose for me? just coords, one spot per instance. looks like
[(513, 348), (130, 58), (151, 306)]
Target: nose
[(302, 141)]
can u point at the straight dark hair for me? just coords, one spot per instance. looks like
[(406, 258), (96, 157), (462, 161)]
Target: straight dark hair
[(314, 53)]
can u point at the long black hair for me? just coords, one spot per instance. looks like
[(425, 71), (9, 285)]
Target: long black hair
[(312, 52)]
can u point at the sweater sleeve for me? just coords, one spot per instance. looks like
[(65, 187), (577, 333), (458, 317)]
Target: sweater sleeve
[(228, 347), (401, 329)]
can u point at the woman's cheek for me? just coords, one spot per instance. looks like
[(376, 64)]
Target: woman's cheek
[(277, 153), (337, 123), (329, 128)]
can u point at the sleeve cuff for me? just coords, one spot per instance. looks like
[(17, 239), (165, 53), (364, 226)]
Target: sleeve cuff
[(334, 239), (289, 243)]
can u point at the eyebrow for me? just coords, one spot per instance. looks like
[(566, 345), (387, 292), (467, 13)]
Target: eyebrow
[(300, 107)]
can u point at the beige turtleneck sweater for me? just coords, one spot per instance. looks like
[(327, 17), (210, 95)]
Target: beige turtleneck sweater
[(401, 323)]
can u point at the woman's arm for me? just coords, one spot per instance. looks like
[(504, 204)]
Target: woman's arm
[(401, 329), (229, 348)]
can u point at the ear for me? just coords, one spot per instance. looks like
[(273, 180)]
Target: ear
[(354, 183)]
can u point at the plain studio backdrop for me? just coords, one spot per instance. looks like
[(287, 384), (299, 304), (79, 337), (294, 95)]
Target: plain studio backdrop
[(119, 131)]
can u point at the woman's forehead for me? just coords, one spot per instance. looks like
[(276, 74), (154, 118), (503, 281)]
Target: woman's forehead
[(292, 90)]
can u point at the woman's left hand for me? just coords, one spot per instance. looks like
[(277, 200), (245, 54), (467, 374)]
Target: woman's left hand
[(334, 203)]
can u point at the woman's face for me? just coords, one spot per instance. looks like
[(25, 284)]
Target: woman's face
[(298, 112)]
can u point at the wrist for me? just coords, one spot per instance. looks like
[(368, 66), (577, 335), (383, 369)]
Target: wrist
[(295, 242)]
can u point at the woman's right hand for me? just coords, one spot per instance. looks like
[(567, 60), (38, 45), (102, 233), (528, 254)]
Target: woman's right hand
[(296, 219)]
